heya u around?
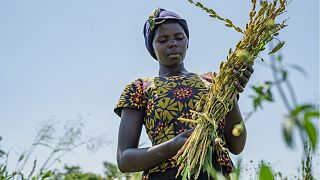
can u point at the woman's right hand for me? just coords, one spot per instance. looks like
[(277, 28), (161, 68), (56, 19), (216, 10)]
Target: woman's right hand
[(179, 140)]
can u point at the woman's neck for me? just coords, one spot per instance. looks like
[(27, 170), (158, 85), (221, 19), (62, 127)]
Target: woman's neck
[(165, 71)]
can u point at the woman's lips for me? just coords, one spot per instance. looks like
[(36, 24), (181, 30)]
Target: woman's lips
[(174, 55)]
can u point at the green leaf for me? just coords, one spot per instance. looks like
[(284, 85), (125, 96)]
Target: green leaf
[(185, 173), (263, 3), (298, 109), (268, 96), (209, 154), (228, 21), (258, 89), (284, 74), (257, 103), (47, 174), (212, 11), (199, 4), (312, 114), (238, 170), (212, 172), (238, 29), (21, 157), (228, 25), (265, 172), (3, 169), (261, 45), (213, 15), (220, 18), (277, 47), (269, 83), (279, 58), (312, 132), (152, 21), (287, 131)]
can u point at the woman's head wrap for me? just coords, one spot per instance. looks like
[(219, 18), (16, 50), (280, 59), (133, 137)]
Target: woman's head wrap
[(158, 17)]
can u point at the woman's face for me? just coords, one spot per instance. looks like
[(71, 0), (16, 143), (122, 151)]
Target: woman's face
[(170, 44)]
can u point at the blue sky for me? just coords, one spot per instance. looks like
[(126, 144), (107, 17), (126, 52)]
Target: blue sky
[(66, 58)]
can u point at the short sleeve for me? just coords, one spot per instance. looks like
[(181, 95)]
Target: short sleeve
[(131, 97)]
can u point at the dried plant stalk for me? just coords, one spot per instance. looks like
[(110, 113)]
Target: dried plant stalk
[(196, 153)]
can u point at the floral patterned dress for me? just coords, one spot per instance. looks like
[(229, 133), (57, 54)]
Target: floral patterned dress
[(163, 100)]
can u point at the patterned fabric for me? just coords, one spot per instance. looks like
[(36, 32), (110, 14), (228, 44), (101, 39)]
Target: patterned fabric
[(163, 100)]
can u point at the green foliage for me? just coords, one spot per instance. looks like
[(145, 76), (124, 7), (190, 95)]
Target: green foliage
[(83, 176), (111, 170), (72, 169), (301, 118), (235, 175), (307, 166), (58, 145), (265, 172), (262, 93), (277, 47), (2, 153), (153, 16), (213, 14), (46, 174)]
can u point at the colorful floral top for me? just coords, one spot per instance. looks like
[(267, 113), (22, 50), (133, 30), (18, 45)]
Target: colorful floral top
[(163, 100)]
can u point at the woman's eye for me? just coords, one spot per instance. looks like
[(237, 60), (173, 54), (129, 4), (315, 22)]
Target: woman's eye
[(162, 40), (180, 37)]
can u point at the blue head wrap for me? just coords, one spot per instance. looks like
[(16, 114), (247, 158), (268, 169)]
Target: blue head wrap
[(158, 17)]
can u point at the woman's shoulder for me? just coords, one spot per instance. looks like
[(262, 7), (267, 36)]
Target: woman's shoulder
[(140, 80), (143, 82)]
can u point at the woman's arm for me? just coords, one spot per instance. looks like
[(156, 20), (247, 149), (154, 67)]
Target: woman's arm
[(130, 158), (234, 143)]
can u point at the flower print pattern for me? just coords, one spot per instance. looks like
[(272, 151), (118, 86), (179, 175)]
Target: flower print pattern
[(182, 93), (149, 108), (163, 100)]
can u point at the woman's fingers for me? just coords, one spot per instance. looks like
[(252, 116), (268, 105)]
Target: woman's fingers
[(242, 77), (244, 66), (247, 73), (250, 68), (187, 133), (238, 86)]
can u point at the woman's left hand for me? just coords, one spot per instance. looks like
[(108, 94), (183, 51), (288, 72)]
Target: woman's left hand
[(242, 78)]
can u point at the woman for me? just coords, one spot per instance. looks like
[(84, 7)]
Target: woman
[(157, 102)]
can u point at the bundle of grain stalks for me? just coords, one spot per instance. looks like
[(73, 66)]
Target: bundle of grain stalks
[(196, 154)]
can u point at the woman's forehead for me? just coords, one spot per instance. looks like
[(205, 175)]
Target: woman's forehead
[(171, 27)]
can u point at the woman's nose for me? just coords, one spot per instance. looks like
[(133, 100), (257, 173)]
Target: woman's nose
[(173, 44)]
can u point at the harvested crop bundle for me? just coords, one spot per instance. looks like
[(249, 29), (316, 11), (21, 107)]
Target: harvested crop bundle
[(196, 154)]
